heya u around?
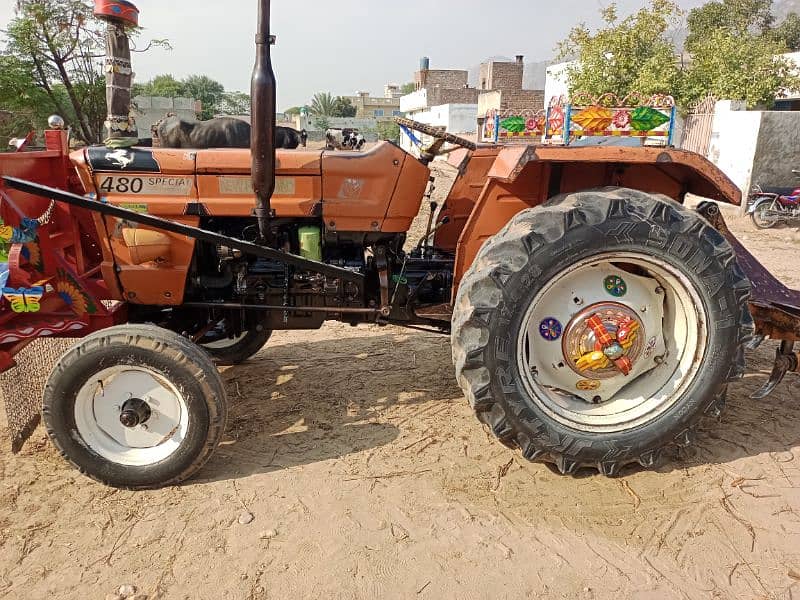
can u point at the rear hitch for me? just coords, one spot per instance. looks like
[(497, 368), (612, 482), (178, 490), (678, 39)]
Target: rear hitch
[(786, 361)]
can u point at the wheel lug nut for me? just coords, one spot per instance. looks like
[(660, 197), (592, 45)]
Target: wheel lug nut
[(659, 360)]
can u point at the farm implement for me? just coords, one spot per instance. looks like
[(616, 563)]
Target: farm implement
[(595, 320)]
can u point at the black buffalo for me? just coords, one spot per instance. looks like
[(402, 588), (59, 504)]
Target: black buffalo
[(288, 138), (221, 132)]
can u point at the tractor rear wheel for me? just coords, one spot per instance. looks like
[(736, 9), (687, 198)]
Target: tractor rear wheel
[(598, 329), (228, 351), (135, 407)]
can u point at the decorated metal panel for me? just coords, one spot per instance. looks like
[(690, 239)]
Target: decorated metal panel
[(504, 125), (635, 115), (583, 116)]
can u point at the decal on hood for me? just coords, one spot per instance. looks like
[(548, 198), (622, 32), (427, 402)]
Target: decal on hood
[(122, 159)]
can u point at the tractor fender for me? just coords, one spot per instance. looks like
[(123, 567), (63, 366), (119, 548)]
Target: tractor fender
[(693, 172)]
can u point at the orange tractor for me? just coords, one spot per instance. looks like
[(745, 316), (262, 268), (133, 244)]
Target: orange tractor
[(595, 320)]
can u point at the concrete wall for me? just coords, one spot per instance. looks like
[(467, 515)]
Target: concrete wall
[(734, 137), (778, 150), (557, 81), (148, 110), (755, 147), (366, 106), (489, 101), (414, 101), (457, 118), (308, 122)]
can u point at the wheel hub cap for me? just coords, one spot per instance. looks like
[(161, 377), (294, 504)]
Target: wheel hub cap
[(134, 412), (604, 340)]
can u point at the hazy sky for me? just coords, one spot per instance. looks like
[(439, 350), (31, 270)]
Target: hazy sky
[(347, 45)]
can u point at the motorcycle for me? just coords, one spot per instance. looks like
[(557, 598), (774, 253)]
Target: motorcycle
[(770, 206)]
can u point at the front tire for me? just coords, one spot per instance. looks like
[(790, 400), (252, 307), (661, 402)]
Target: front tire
[(135, 407), (538, 340), (759, 215)]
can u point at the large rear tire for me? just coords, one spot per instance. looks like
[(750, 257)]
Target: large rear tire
[(135, 407), (598, 329), (229, 351)]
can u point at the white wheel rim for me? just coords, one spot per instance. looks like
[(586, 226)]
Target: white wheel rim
[(672, 334), (98, 406)]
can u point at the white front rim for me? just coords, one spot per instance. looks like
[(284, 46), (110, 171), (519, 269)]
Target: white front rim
[(99, 404), (661, 361)]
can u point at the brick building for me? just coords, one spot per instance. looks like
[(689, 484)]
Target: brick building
[(444, 97), (502, 89)]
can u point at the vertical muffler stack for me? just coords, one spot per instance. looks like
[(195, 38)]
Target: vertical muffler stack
[(262, 114), (119, 16)]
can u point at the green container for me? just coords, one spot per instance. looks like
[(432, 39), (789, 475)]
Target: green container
[(310, 242)]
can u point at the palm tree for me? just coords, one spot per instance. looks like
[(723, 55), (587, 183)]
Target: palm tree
[(323, 104)]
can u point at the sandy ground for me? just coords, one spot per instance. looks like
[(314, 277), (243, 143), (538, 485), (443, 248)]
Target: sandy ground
[(368, 477)]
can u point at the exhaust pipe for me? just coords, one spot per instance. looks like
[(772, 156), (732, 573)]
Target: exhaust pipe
[(262, 116)]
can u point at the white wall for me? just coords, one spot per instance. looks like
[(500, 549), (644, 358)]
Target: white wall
[(457, 118), (734, 138), (415, 101), (489, 101), (557, 81)]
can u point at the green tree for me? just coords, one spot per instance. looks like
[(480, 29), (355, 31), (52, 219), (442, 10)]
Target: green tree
[(735, 52), (342, 107), (388, 130), (737, 17), (53, 63), (165, 86), (294, 110), (23, 105), (59, 42), (788, 32), (634, 54), (408, 88), (234, 103), (322, 122), (206, 90), (738, 67), (322, 105)]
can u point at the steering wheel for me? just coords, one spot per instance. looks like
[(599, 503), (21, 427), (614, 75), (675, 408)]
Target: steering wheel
[(437, 133)]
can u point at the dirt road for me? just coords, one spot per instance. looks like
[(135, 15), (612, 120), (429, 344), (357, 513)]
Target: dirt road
[(366, 476)]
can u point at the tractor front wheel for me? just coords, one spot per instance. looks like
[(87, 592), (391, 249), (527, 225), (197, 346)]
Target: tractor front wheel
[(135, 407), (598, 329)]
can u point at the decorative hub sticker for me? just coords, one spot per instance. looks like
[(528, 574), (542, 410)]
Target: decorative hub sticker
[(604, 341), (550, 329), (616, 286), (588, 385)]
